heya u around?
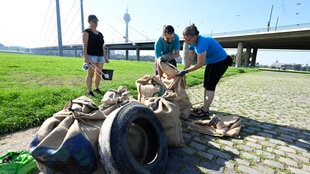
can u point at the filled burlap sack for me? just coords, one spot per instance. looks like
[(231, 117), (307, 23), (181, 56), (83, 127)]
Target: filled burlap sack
[(67, 142), (226, 126), (149, 86), (167, 74), (168, 113), (113, 99)]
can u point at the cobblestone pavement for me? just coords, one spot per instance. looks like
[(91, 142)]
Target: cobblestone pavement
[(275, 134)]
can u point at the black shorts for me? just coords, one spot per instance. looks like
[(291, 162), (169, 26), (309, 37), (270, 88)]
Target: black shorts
[(214, 72)]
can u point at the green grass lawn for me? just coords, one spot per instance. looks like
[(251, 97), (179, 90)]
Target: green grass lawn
[(34, 87)]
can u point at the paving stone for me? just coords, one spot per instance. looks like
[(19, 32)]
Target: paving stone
[(288, 161), (265, 154), (250, 156), (298, 171), (306, 167), (298, 148), (206, 155), (265, 143), (246, 169), (274, 164), (242, 161), (228, 143), (214, 145), (229, 165), (299, 158), (265, 134), (275, 141), (245, 148), (211, 167), (255, 145), (232, 150), (286, 149), (198, 146), (189, 151), (219, 153), (260, 138), (263, 169)]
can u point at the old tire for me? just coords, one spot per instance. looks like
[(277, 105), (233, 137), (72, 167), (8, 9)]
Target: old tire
[(114, 151)]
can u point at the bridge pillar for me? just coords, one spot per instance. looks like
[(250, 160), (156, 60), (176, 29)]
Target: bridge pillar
[(108, 52), (247, 56), (127, 55), (239, 54), (138, 54), (253, 62), (185, 53)]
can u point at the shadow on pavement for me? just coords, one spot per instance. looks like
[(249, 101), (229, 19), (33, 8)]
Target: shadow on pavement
[(204, 153)]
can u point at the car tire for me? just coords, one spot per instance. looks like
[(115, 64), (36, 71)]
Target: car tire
[(114, 150)]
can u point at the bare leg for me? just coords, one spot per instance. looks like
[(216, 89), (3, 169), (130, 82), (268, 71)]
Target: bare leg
[(89, 79), (208, 98), (98, 74)]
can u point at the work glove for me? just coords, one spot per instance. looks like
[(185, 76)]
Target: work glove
[(182, 73), (164, 58)]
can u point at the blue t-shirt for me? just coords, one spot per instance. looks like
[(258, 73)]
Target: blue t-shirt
[(161, 47), (215, 52)]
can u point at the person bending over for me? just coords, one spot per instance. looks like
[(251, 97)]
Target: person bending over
[(210, 53)]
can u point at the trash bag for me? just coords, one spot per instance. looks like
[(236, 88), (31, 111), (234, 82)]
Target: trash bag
[(219, 126), (148, 86), (169, 116), (67, 142), (167, 74), (17, 163), (114, 99)]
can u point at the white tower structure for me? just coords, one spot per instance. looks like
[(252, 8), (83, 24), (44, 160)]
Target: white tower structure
[(127, 19)]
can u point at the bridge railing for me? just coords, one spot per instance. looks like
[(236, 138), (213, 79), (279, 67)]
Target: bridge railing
[(260, 30)]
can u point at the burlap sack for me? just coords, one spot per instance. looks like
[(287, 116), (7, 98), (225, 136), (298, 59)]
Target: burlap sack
[(113, 99), (148, 86), (228, 126), (167, 74), (168, 113), (67, 142)]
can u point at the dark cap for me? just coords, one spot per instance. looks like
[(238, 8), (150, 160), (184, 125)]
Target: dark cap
[(92, 18)]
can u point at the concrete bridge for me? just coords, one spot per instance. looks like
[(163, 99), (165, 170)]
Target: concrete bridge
[(296, 39)]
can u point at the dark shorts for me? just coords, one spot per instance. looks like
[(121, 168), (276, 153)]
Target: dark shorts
[(214, 72)]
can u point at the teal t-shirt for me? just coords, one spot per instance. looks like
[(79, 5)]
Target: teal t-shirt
[(215, 52), (161, 47)]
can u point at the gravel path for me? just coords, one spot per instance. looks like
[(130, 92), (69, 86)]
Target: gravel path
[(275, 136)]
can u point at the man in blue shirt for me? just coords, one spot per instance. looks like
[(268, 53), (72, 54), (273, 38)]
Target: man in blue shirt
[(167, 47), (210, 53)]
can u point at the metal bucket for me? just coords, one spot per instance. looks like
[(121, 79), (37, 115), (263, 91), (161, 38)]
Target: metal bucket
[(107, 74)]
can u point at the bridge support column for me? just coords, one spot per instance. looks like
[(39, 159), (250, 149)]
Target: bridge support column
[(185, 53), (108, 52), (253, 62), (127, 55), (138, 54), (239, 54), (247, 56)]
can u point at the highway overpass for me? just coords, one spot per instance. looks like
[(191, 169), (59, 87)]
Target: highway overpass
[(296, 39)]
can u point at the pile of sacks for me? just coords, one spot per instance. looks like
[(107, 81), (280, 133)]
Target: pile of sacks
[(70, 137)]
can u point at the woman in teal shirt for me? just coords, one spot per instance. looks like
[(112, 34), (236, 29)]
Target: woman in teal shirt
[(210, 53)]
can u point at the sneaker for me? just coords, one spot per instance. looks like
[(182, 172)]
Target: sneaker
[(91, 94), (98, 91)]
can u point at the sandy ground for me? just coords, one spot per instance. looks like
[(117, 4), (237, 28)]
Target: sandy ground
[(17, 141)]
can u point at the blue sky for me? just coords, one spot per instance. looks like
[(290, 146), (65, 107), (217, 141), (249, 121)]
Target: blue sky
[(32, 23)]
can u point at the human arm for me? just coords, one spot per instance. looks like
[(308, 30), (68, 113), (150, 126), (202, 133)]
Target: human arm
[(200, 61), (85, 45)]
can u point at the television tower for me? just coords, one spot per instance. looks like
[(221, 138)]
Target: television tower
[(127, 19)]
